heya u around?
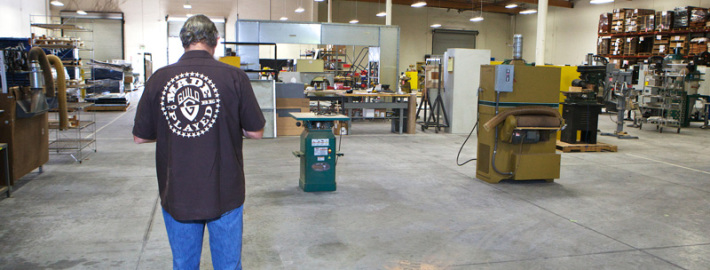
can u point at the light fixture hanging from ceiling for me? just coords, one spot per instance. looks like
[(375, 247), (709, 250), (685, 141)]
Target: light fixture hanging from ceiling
[(81, 12), (528, 11), (353, 21), (511, 5), (480, 16), (436, 25), (187, 5), (57, 3), (283, 13), (596, 2), (419, 4), (318, 0), (379, 7), (300, 8)]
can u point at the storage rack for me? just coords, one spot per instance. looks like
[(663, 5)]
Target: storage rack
[(70, 40), (79, 139)]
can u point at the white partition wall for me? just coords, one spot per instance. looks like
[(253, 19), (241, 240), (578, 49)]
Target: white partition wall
[(461, 75)]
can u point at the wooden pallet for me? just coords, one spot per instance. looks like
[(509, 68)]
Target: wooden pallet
[(117, 108), (598, 147)]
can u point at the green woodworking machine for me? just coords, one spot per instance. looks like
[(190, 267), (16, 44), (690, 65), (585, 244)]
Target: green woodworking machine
[(318, 154)]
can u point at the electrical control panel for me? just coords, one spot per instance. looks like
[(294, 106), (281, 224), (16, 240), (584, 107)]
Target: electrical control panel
[(505, 76)]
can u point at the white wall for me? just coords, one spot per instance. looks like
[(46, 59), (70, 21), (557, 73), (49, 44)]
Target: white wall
[(415, 33), (15, 18), (572, 33)]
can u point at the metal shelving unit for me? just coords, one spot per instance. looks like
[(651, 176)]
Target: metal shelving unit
[(79, 140), (65, 38)]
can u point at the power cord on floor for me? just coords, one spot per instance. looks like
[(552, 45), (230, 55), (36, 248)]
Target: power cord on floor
[(464, 143)]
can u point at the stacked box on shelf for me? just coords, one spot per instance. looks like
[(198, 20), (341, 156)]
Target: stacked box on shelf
[(617, 21), (603, 45), (678, 41), (617, 26), (647, 23), (631, 19), (698, 18), (617, 46), (698, 45), (605, 23), (631, 46), (664, 20), (682, 16), (660, 44)]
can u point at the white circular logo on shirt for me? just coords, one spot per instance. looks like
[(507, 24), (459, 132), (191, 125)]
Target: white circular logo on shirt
[(190, 103)]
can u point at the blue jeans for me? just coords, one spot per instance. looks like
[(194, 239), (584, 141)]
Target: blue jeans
[(225, 240)]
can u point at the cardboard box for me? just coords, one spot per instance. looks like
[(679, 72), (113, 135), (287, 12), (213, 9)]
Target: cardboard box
[(605, 23), (285, 124), (310, 65), (341, 128), (664, 20), (283, 103)]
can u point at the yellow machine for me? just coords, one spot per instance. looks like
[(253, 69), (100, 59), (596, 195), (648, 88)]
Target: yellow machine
[(518, 106)]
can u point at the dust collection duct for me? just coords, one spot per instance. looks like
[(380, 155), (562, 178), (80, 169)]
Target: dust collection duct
[(518, 104), (61, 91)]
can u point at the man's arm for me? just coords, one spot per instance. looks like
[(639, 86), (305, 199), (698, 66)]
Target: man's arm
[(140, 140), (254, 134)]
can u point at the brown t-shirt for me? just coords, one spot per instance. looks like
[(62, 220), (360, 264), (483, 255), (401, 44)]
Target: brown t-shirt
[(196, 109)]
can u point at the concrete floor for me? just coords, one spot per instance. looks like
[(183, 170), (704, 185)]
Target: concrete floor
[(402, 203)]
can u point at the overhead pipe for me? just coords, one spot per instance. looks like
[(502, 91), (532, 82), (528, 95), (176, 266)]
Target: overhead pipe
[(61, 91)]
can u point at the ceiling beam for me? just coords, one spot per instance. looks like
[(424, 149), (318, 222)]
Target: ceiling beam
[(455, 5), (552, 3), (497, 8)]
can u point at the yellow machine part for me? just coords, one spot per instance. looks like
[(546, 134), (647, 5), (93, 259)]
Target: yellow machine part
[(413, 79), (539, 161), (231, 60)]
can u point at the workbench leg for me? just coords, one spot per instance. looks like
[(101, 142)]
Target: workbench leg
[(6, 168), (401, 120)]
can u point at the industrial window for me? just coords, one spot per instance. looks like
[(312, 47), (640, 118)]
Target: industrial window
[(443, 39)]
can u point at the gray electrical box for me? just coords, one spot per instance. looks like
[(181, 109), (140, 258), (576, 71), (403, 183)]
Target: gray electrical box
[(505, 75)]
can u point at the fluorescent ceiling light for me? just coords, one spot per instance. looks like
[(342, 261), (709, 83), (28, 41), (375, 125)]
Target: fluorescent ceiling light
[(57, 3), (81, 12), (318, 0), (381, 14), (528, 11), (419, 4), (600, 1), (299, 10), (283, 19), (354, 21), (187, 6), (476, 19), (436, 25), (511, 5)]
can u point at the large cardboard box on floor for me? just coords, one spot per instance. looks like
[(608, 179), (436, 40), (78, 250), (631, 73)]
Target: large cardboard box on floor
[(285, 124)]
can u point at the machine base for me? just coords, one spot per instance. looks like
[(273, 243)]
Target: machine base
[(309, 187)]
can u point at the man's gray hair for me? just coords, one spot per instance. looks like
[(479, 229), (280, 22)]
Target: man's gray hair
[(199, 28)]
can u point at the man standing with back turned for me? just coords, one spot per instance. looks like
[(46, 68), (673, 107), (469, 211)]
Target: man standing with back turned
[(196, 111)]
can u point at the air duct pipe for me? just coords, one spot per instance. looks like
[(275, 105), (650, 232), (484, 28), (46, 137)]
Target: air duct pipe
[(37, 54), (61, 91), (517, 47)]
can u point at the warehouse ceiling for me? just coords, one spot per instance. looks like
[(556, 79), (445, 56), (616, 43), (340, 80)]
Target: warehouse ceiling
[(496, 6)]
